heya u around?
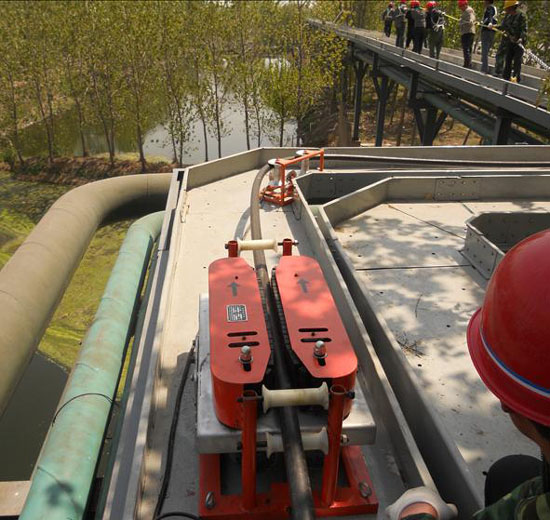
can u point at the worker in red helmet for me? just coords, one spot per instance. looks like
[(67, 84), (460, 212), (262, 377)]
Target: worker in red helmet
[(467, 31), (419, 33), (387, 18), (410, 22), (400, 20), (435, 28), (509, 344)]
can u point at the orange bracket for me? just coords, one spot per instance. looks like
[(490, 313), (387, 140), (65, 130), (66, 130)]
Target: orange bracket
[(283, 194)]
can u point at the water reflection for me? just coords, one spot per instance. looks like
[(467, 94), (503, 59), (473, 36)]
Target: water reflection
[(157, 139)]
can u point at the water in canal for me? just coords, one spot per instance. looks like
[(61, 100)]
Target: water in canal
[(26, 421), (157, 139)]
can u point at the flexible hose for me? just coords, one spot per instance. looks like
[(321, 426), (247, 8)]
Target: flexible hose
[(295, 461)]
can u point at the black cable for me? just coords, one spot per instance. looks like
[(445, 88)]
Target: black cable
[(301, 498), (178, 513), (171, 442)]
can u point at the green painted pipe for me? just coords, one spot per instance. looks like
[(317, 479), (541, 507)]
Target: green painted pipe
[(65, 470), (33, 281)]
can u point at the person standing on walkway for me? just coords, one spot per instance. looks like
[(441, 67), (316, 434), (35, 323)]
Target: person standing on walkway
[(399, 20), (487, 33), (387, 17), (514, 27), (419, 34), (467, 31), (410, 24), (435, 26)]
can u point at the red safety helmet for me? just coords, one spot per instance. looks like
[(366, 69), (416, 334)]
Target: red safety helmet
[(403, 1), (415, 3), (508, 337), (462, 2), (431, 5)]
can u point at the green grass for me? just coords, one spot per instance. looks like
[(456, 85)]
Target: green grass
[(22, 204)]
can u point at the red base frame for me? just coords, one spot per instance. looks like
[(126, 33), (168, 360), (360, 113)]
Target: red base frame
[(275, 504)]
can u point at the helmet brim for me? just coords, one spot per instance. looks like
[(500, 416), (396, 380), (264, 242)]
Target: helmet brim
[(510, 392)]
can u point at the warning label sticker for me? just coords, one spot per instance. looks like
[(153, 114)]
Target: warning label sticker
[(236, 313)]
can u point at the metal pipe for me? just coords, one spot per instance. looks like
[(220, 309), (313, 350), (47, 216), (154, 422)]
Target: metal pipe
[(433, 162), (338, 395), (295, 462), (66, 467), (248, 466), (35, 278)]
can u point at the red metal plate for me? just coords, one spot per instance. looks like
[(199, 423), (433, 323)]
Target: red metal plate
[(236, 319), (311, 315)]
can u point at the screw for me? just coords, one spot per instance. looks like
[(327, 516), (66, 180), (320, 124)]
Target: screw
[(320, 350), (209, 501), (364, 489)]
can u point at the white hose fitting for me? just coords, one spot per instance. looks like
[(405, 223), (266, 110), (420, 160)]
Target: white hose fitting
[(295, 397), (311, 441), (251, 245)]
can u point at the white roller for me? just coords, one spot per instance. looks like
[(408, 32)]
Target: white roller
[(295, 397), (251, 245), (310, 440)]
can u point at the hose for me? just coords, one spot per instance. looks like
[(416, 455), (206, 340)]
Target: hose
[(295, 462)]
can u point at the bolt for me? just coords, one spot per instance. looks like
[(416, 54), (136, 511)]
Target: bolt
[(209, 501), (246, 354), (364, 489), (320, 350)]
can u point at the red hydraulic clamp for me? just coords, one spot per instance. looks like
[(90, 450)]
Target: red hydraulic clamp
[(280, 190)]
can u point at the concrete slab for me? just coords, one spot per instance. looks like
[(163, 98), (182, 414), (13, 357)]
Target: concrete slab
[(427, 301)]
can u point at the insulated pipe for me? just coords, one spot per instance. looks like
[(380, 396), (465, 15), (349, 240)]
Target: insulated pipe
[(301, 498), (35, 278), (295, 397), (67, 464)]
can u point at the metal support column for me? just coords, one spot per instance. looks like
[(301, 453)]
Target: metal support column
[(432, 125), (503, 125), (359, 67), (382, 91)]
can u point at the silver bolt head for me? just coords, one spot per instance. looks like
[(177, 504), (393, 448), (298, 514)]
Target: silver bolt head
[(364, 490), (210, 501), (246, 354), (320, 349)]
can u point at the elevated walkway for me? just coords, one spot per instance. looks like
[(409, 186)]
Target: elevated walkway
[(486, 104)]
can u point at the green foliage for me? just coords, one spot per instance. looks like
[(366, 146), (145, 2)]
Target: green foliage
[(139, 62)]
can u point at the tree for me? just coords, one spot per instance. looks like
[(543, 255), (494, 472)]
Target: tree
[(11, 85), (139, 57), (177, 81), (38, 51), (73, 53), (106, 81)]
